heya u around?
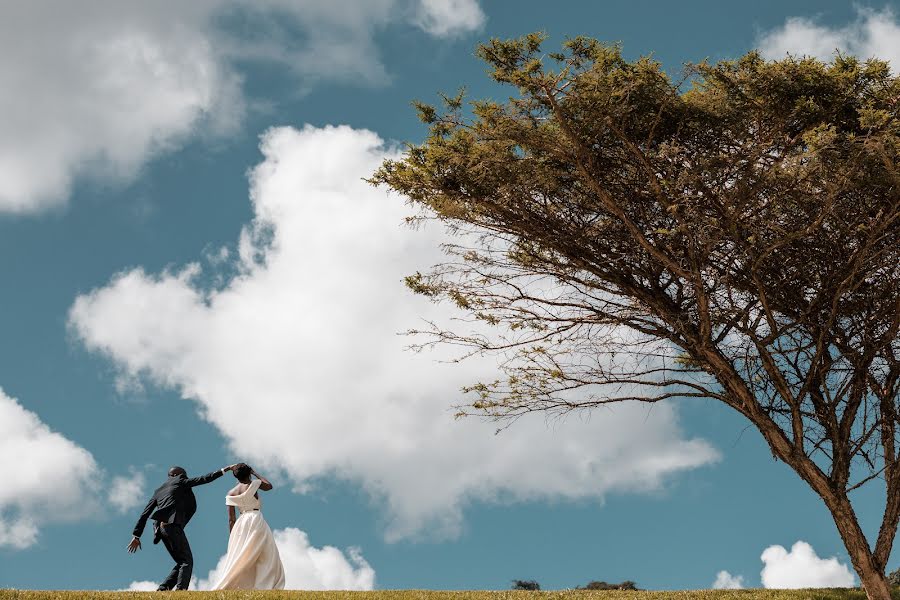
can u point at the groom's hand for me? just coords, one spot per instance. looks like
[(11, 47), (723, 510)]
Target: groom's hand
[(134, 545)]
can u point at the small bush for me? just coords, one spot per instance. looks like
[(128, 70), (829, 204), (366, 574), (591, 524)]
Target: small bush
[(529, 585), (602, 585)]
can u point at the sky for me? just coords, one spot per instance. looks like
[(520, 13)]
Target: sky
[(195, 273)]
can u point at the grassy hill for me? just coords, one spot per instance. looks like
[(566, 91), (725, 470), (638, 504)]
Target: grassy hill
[(754, 594)]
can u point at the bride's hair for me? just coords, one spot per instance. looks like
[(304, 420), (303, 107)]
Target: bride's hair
[(242, 471)]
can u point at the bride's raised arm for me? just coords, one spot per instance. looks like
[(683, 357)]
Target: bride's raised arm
[(264, 485)]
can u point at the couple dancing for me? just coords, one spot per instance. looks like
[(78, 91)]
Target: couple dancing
[(252, 561)]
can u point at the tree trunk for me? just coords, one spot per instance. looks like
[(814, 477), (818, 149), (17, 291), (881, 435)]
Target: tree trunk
[(868, 569), (874, 582), (870, 573)]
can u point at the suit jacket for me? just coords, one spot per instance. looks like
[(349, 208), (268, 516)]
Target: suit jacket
[(173, 501)]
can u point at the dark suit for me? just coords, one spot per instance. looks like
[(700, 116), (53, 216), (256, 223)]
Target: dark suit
[(172, 506)]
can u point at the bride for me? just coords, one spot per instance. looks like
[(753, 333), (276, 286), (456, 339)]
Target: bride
[(252, 561)]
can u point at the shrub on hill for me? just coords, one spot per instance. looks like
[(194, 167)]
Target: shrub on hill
[(529, 585), (602, 585)]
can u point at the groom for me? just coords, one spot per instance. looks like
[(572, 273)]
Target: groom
[(174, 505)]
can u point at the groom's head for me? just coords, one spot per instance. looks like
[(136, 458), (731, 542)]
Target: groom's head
[(177, 472)]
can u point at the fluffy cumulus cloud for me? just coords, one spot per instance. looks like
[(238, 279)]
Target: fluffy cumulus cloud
[(100, 87), (873, 34), (305, 567), (96, 89), (802, 568), (146, 585), (53, 475), (327, 568), (727, 581), (448, 17), (127, 491), (297, 360)]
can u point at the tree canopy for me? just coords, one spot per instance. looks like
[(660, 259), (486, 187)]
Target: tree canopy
[(731, 234)]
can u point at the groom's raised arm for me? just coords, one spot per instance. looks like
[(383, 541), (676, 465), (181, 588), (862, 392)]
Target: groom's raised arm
[(142, 521), (204, 479)]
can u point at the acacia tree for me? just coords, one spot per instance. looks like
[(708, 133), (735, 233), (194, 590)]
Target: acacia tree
[(734, 235)]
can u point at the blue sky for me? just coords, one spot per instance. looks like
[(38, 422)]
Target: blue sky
[(193, 273)]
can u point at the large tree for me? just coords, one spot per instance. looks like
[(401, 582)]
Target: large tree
[(733, 235)]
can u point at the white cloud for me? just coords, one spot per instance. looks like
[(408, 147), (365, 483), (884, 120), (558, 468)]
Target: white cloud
[(96, 89), (53, 475), (297, 360), (802, 568), (309, 568), (19, 533), (873, 34), (127, 491), (727, 581), (449, 17), (144, 586), (305, 567)]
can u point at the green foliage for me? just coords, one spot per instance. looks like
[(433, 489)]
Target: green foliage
[(602, 585), (528, 585), (746, 216), (731, 162), (750, 207)]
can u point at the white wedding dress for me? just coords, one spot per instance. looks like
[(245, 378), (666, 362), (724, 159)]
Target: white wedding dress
[(252, 562)]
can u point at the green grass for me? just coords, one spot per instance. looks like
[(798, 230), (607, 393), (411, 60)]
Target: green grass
[(755, 594)]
